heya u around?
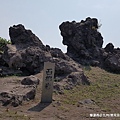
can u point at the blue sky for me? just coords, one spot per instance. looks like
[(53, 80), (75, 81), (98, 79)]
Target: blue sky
[(43, 17)]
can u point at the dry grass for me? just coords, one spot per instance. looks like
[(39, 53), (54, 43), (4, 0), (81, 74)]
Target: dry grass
[(104, 90)]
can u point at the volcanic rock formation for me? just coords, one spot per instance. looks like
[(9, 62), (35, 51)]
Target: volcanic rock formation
[(84, 45), (83, 41), (28, 54)]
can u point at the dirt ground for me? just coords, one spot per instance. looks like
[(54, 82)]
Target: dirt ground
[(57, 110)]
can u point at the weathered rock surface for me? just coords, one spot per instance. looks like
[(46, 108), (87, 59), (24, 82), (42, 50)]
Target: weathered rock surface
[(112, 61), (6, 71), (14, 93), (84, 45), (20, 37), (28, 54), (83, 41), (30, 80)]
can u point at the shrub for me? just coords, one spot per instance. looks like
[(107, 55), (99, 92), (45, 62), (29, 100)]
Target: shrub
[(3, 43)]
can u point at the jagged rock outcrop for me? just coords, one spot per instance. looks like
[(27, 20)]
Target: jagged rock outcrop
[(28, 54), (83, 40), (84, 45), (109, 48), (22, 38)]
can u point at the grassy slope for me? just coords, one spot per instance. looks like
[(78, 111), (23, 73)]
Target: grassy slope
[(104, 90)]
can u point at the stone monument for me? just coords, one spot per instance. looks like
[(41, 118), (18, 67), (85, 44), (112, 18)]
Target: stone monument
[(48, 79)]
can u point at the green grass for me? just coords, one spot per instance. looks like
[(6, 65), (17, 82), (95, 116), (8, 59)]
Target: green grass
[(3, 42), (104, 87)]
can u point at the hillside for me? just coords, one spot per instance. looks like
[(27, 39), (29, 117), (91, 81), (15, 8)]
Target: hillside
[(102, 96), (86, 78)]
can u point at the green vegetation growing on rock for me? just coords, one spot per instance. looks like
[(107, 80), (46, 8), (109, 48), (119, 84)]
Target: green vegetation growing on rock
[(3, 42)]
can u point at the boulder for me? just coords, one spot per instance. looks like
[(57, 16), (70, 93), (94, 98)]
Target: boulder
[(30, 80), (70, 81), (109, 47), (63, 67), (112, 62), (16, 99), (20, 37), (14, 92), (76, 78)]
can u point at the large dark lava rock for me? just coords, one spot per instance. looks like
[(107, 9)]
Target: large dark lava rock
[(83, 40), (14, 92), (24, 38), (112, 61), (28, 54), (84, 45)]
